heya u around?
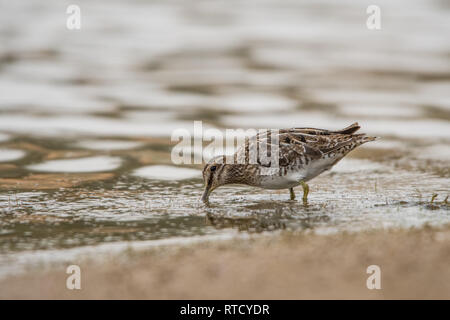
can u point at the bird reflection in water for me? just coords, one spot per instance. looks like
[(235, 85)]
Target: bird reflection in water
[(256, 222)]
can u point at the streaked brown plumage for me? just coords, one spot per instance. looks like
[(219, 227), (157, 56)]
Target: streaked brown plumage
[(303, 154)]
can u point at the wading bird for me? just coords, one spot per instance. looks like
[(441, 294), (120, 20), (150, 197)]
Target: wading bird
[(303, 154)]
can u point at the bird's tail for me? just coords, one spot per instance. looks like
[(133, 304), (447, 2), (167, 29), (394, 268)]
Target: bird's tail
[(348, 130)]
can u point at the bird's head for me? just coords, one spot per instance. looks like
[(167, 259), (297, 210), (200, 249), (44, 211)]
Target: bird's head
[(217, 173)]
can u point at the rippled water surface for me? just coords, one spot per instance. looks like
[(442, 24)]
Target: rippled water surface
[(87, 116)]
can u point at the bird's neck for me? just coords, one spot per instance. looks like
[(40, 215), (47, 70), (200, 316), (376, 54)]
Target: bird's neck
[(240, 174)]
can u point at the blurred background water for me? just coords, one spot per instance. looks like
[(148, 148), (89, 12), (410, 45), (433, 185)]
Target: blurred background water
[(86, 116)]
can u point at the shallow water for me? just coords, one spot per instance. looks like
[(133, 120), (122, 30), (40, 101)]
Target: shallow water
[(86, 117)]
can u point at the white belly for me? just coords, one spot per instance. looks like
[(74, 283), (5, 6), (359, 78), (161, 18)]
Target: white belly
[(293, 177), (290, 180)]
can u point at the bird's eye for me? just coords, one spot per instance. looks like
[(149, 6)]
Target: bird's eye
[(213, 168)]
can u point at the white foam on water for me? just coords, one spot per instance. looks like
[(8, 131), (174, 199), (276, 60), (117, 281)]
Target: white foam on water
[(162, 172), (152, 96), (219, 61), (4, 137), (285, 120), (417, 129), (108, 144), (90, 164), (386, 144), (11, 154), (151, 115), (349, 165), (251, 102), (363, 96), (55, 126), (435, 152), (397, 103), (42, 70), (379, 110), (436, 94), (49, 97)]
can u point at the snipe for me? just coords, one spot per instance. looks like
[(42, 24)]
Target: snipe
[(303, 154)]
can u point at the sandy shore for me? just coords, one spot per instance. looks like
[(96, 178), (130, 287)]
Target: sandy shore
[(414, 264)]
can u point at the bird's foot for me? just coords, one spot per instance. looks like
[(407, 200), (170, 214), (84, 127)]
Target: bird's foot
[(305, 192), (292, 193)]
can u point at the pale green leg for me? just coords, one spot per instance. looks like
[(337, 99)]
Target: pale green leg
[(291, 191), (305, 191)]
